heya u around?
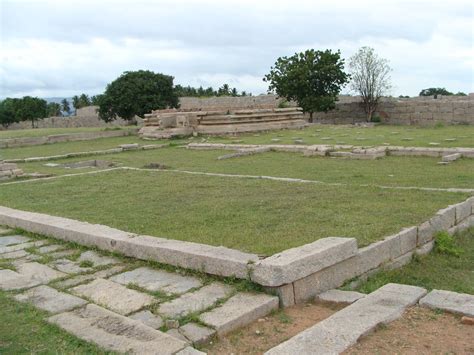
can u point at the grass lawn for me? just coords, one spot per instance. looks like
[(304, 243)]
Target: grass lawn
[(434, 271), (388, 171), (24, 330), (345, 134), (68, 147), (39, 132), (258, 216)]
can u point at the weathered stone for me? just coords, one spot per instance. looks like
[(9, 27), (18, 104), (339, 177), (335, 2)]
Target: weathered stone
[(285, 293), (130, 146), (196, 333), (195, 301), (16, 247), (27, 275), (190, 351), (148, 318), (451, 157), (158, 280), (97, 259), (296, 263), (172, 323), (50, 248), (454, 302), (115, 332), (425, 248), (239, 310), (48, 299), (13, 239), (444, 219), (61, 254), (408, 239), (76, 280), (399, 262), (461, 226), (463, 211), (114, 296), (70, 267), (176, 334), (426, 233), (14, 254), (4, 230), (339, 296), (335, 334)]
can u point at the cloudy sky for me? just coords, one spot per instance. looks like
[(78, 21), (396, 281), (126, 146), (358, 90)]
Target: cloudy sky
[(63, 48)]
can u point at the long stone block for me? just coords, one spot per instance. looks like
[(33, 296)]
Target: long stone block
[(463, 210), (444, 219), (239, 310), (454, 302), (115, 332), (335, 334), (51, 300), (296, 263)]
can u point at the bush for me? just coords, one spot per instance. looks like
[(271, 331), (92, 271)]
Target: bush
[(445, 244)]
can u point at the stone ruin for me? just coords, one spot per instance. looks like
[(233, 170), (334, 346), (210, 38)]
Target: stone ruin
[(171, 123), (9, 170)]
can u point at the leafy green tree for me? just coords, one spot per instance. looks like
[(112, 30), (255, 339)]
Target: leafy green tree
[(224, 90), (95, 100), (312, 78), (435, 92), (32, 108), (460, 93), (137, 93), (370, 78), (8, 109), (65, 106), (75, 102), (54, 109), (84, 101)]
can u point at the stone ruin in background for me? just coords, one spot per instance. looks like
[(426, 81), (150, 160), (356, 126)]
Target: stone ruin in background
[(9, 170)]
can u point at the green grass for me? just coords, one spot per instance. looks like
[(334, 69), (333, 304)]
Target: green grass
[(345, 134), (258, 216), (39, 132), (24, 330), (434, 271), (388, 171), (68, 147)]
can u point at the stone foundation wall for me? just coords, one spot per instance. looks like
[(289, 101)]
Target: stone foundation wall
[(9, 170), (228, 103)]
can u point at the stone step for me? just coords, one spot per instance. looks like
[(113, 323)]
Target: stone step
[(49, 299), (13, 239), (454, 302), (114, 296), (238, 311), (195, 301), (157, 280), (114, 332), (339, 296), (335, 334)]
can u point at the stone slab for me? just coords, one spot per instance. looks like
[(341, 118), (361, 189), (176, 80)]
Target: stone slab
[(50, 248), (339, 296), (114, 296), (97, 259), (463, 211), (335, 334), (285, 293), (49, 299), (27, 275), (454, 302), (16, 247), (238, 311), (114, 332), (4, 230), (296, 263), (146, 317), (157, 280), (190, 351), (76, 280), (195, 301), (70, 267), (13, 239), (176, 334), (14, 254), (197, 334)]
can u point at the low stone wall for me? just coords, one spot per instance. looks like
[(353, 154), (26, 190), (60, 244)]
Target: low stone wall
[(228, 103), (9, 170), (83, 136)]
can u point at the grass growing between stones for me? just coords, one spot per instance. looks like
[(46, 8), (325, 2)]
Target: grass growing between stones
[(257, 216), (24, 330), (438, 270)]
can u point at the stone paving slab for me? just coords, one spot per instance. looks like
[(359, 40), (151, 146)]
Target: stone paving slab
[(197, 334), (97, 259), (70, 267), (339, 296), (158, 280), (239, 310), (27, 275), (335, 334), (146, 317), (61, 254), (114, 296), (50, 248), (4, 230), (16, 247), (76, 280), (190, 351), (454, 302), (114, 332), (49, 299), (195, 301), (14, 254), (13, 239), (176, 334)]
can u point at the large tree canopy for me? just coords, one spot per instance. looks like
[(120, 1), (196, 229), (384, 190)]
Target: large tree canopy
[(439, 91), (312, 78), (137, 93)]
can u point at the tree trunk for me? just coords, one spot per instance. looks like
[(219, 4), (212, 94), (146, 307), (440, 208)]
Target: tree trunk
[(311, 117)]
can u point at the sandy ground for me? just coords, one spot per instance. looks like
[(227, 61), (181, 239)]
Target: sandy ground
[(419, 331), (270, 331)]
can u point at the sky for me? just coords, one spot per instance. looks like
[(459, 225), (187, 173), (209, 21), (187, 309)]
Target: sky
[(64, 48)]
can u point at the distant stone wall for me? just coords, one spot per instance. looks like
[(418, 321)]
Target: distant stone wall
[(228, 103)]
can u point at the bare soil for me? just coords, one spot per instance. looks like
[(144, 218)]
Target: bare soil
[(272, 330), (419, 331)]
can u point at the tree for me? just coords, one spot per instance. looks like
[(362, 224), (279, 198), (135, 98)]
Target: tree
[(31, 108), (8, 109), (460, 93), (75, 102), (84, 100), (370, 78), (435, 92), (65, 106), (137, 93), (312, 78), (53, 109), (95, 100)]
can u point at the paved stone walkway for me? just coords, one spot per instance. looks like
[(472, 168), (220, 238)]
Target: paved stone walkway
[(129, 308)]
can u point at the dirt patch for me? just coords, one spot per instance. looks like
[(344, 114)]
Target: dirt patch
[(419, 331), (272, 330)]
